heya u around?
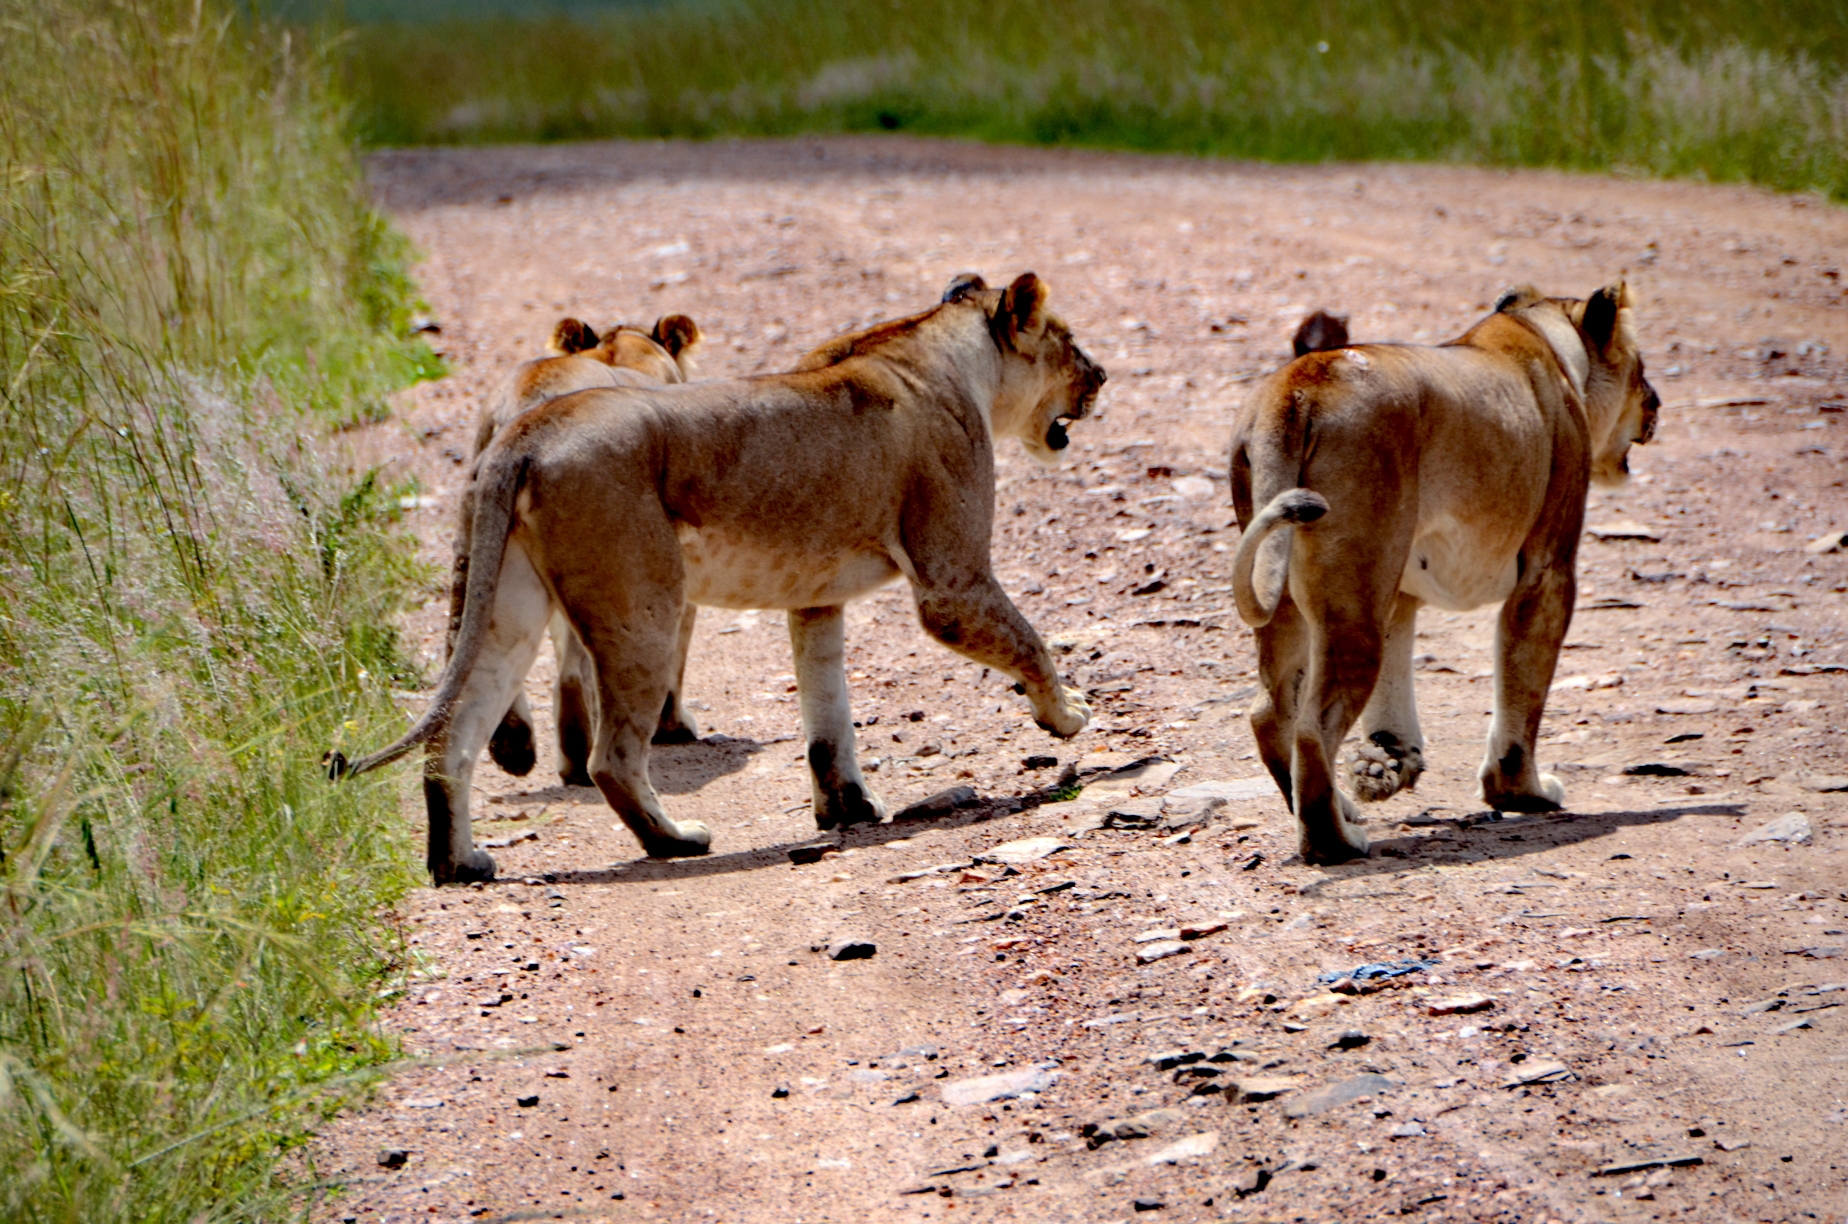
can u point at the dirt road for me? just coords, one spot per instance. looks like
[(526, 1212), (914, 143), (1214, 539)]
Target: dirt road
[(615, 1039)]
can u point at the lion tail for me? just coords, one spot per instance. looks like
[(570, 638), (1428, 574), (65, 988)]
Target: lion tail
[(1270, 571), (497, 484)]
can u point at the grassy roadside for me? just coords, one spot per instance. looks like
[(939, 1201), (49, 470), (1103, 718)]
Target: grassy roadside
[(195, 602), (1716, 89)]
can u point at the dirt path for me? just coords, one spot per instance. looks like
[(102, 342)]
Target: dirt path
[(706, 1062)]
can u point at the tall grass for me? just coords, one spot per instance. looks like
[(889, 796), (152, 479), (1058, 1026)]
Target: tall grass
[(194, 604), (1721, 89)]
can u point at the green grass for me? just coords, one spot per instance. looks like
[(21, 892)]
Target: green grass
[(1716, 89), (194, 604)]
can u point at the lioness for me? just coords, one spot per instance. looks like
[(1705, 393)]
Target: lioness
[(579, 359), (1373, 479), (797, 491)]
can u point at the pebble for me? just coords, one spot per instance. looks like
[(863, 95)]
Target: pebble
[(527, 1102), (1539, 1072), (1148, 954), (938, 804), (1410, 1130), (1459, 1005), (851, 949), (1181, 1149), (1792, 828), (1341, 1092), (1351, 1039), (1654, 1162), (982, 1089), (393, 1158), (1260, 1088), (1026, 850)]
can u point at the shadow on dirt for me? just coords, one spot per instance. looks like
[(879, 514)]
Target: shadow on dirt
[(1474, 839), (675, 769)]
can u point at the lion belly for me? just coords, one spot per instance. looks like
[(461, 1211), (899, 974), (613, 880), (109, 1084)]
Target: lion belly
[(726, 572), (1453, 567)]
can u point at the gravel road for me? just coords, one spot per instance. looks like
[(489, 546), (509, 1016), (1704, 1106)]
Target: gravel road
[(1623, 1013)]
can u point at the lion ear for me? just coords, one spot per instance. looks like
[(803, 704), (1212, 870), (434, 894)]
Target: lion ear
[(1023, 303), (1601, 309), (677, 334), (962, 285), (570, 336), (1518, 297)]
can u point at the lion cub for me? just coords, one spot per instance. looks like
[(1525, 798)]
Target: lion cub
[(799, 491), (579, 360), (1373, 479)]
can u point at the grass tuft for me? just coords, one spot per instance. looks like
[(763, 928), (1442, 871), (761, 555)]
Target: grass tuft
[(194, 604)]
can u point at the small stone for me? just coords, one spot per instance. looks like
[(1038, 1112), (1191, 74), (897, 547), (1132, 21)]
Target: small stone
[(1833, 542), (1791, 1026), (1792, 828), (1026, 850), (1200, 930), (779, 1092), (1039, 762), (1171, 1059), (1201, 1144), (1148, 954), (1260, 1088), (1459, 1005), (982, 1089), (527, 1102), (851, 949), (1686, 706), (1159, 933), (1654, 1162), (1542, 1071), (910, 1098), (1341, 1092), (1133, 813), (1410, 1130), (393, 1158), (939, 804), (1623, 529), (1822, 784), (1149, 1204), (1352, 1039), (812, 852)]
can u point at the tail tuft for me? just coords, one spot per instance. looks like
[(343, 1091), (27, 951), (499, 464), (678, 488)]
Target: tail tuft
[(338, 768)]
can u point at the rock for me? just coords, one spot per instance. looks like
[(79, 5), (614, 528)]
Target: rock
[(779, 1092), (851, 949), (1252, 1183), (940, 804), (1171, 1059), (1150, 953), (1791, 1026), (812, 852), (1149, 1204), (1132, 813), (1623, 529), (867, 1075), (1833, 542), (1654, 769), (1654, 1162), (1144, 777), (1823, 951), (1539, 1071), (1130, 1128), (1008, 1084), (393, 1158), (1822, 784), (910, 1098), (1318, 1005), (1766, 1005), (1459, 1005), (1039, 762), (1686, 706), (1409, 1130), (1352, 1039), (1792, 828), (527, 1102), (1232, 790), (1181, 1149), (1026, 850), (1341, 1092), (906, 1057), (1260, 1088)]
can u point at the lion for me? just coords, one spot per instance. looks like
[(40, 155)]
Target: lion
[(1374, 479), (798, 491), (624, 356)]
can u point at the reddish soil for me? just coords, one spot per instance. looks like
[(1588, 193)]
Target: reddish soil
[(695, 1056)]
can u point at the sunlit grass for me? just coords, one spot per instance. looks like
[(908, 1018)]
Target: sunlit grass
[(195, 602), (1720, 89)]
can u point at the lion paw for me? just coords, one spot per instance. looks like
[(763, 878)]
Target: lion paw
[(690, 839), (852, 804), (1070, 716), (1383, 767), (477, 866)]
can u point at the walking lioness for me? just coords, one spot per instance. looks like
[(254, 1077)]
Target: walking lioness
[(580, 359), (798, 491), (1375, 478)]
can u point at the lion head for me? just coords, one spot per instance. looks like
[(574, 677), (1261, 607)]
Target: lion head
[(1047, 381), (1619, 401), (664, 353)]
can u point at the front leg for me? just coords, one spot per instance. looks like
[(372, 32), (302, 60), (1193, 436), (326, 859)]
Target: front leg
[(817, 637), (1527, 639), (977, 619)]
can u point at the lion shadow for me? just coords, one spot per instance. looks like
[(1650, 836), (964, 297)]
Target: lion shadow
[(675, 769)]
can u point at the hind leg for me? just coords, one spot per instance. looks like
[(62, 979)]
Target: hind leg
[(1391, 756), (1344, 659), (573, 705), (1527, 639), (818, 638), (1283, 647), (677, 723), (521, 608)]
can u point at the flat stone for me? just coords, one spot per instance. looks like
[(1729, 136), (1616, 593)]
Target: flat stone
[(1132, 813), (1459, 1005), (852, 949), (1822, 784), (1341, 1092), (1150, 953), (1538, 1072), (939, 804), (1260, 1087), (1653, 1162), (1232, 790), (1159, 933), (1201, 1144), (1005, 1086), (1834, 541), (393, 1158), (1792, 828), (1623, 529), (1026, 850), (1689, 705), (1409, 1130)]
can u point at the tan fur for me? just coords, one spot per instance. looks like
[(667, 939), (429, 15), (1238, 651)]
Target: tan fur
[(1374, 479), (624, 356), (798, 491)]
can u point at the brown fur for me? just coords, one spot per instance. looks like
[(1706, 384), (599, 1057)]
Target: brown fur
[(798, 491), (1377, 478), (623, 356)]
